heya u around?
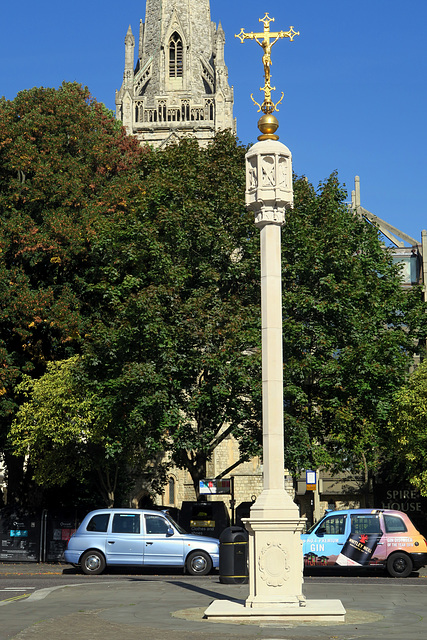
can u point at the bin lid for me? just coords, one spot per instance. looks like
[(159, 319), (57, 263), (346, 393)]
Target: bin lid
[(231, 533)]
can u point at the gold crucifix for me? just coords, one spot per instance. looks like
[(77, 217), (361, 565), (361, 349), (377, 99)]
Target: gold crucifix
[(267, 106)]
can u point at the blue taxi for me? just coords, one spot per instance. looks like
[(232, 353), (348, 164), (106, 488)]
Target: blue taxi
[(141, 538)]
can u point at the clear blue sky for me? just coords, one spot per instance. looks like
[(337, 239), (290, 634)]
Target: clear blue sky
[(355, 81)]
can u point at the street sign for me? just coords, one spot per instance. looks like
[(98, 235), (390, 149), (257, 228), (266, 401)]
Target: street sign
[(310, 480), (212, 486)]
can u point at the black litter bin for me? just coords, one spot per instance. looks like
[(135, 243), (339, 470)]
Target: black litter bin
[(233, 556)]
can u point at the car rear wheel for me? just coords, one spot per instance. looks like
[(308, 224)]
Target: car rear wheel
[(198, 563), (399, 565), (92, 562)]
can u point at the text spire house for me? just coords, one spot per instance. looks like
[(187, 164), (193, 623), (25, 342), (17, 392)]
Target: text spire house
[(179, 85)]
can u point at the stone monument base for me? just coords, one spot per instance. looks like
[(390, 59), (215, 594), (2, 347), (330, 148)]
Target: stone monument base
[(312, 611)]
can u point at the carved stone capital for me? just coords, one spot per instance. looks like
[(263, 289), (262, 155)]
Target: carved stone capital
[(269, 215)]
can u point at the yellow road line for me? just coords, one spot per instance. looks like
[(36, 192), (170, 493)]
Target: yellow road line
[(25, 595)]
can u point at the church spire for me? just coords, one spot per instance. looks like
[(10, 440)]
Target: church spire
[(180, 83)]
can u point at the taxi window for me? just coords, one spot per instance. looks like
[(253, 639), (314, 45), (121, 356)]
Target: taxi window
[(334, 526), (156, 524), (126, 523), (394, 524), (365, 523), (98, 523)]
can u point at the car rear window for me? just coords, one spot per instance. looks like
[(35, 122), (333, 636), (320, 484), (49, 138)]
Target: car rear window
[(126, 523), (98, 523), (394, 524), (365, 523)]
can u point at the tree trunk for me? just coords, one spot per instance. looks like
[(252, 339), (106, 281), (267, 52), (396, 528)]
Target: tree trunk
[(197, 470), (106, 487), (15, 475)]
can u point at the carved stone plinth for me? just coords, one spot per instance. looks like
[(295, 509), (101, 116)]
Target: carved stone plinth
[(275, 561)]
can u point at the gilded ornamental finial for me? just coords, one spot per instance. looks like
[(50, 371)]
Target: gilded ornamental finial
[(266, 40)]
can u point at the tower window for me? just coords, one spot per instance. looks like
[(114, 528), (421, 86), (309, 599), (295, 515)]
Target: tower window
[(175, 56)]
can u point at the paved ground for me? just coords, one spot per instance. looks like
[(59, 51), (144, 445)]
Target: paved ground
[(164, 608)]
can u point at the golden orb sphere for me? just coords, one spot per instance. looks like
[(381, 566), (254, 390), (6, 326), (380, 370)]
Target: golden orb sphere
[(268, 125)]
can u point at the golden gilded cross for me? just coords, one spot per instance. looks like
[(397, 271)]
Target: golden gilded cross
[(269, 38)]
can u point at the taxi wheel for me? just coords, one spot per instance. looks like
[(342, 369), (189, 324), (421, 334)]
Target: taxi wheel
[(198, 563), (92, 562), (399, 565)]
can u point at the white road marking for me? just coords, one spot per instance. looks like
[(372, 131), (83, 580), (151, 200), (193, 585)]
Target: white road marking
[(17, 589), (39, 594)]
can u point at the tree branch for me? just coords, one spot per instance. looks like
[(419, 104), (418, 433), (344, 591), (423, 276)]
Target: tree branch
[(230, 468), (220, 437)]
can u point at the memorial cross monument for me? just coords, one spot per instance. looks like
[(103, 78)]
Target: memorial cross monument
[(274, 525)]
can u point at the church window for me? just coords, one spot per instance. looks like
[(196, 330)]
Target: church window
[(171, 488), (175, 56), (209, 104)]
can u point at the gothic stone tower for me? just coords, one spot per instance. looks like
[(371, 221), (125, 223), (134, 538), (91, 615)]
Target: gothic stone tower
[(180, 84)]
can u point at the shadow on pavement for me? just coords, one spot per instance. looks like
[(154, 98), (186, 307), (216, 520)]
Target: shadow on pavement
[(206, 592), (137, 571)]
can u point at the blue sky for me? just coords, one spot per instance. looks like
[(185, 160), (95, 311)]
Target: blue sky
[(355, 81)]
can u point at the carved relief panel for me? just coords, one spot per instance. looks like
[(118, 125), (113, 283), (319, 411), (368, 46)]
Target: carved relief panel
[(269, 181)]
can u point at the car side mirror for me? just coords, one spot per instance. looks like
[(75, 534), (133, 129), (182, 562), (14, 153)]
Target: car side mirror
[(169, 532), (320, 532)]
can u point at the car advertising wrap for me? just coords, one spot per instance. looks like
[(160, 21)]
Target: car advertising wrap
[(364, 537)]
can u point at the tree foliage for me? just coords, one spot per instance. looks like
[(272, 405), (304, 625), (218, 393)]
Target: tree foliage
[(182, 331), (146, 264), (350, 332), (407, 433), (179, 331), (66, 433), (65, 167)]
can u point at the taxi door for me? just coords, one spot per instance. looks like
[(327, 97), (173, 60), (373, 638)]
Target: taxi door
[(125, 544), (324, 542), (163, 545)]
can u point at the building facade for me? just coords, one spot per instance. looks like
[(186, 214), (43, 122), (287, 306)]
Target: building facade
[(179, 86)]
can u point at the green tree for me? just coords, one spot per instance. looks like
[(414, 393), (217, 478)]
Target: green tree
[(148, 263), (350, 332), (66, 167), (179, 337), (66, 433), (179, 333), (407, 433)]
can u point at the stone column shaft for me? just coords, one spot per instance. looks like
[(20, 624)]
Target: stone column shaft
[(272, 356), (274, 525)]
